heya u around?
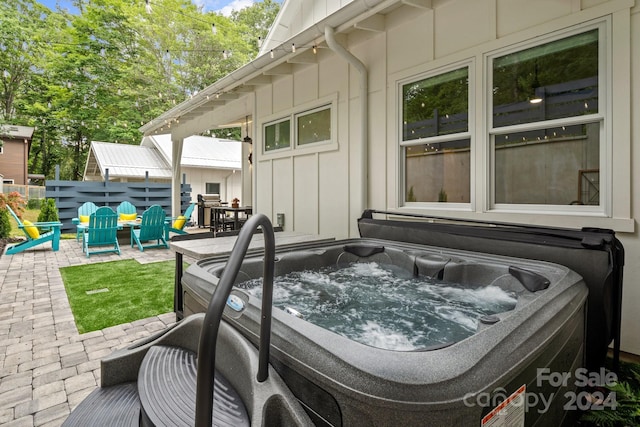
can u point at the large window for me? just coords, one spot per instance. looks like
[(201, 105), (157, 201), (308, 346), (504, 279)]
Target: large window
[(546, 123), (435, 138)]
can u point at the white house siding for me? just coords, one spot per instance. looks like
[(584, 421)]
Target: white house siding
[(230, 184), (631, 294), (319, 191)]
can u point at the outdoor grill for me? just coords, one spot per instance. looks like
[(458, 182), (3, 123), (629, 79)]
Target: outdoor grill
[(205, 202)]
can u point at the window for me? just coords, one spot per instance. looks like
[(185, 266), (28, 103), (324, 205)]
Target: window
[(314, 126), (212, 187), (546, 123), (309, 128), (277, 135), (435, 138)]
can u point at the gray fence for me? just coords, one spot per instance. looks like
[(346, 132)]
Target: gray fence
[(69, 195)]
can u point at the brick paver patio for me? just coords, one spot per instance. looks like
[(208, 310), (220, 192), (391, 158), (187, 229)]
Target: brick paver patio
[(46, 366)]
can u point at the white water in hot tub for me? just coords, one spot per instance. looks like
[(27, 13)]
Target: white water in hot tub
[(384, 306)]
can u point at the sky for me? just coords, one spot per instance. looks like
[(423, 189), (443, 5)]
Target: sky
[(221, 6)]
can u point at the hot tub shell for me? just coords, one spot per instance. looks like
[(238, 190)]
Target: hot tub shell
[(341, 382)]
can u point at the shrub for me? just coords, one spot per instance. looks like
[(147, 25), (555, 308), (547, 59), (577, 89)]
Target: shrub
[(5, 226), (15, 202), (48, 211), (34, 204)]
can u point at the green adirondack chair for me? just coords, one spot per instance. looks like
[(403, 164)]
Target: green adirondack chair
[(34, 237), (153, 228), (102, 232), (179, 222), (86, 209), (126, 211)]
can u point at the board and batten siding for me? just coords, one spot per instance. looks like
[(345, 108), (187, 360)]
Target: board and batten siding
[(319, 191)]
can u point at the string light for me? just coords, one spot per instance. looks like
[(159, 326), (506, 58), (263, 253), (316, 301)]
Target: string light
[(214, 30), (315, 49), (259, 42), (293, 47), (271, 54), (148, 6)]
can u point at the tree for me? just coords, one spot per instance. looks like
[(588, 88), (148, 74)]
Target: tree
[(19, 50), (100, 74)]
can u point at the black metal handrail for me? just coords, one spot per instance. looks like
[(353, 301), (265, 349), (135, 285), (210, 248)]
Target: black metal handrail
[(211, 324)]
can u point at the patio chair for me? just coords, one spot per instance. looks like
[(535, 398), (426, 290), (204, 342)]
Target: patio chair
[(126, 211), (84, 211), (153, 228), (34, 237), (180, 222), (101, 233)]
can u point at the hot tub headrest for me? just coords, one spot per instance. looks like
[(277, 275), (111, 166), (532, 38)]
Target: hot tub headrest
[(363, 251)]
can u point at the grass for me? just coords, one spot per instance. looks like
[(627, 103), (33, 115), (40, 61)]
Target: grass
[(31, 215), (135, 291)]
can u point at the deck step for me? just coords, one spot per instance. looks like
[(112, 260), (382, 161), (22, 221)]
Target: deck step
[(115, 406), (167, 389)]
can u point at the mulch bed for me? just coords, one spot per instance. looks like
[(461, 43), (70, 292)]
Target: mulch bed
[(4, 242)]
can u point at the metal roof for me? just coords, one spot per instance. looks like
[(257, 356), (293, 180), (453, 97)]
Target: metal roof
[(201, 151), (123, 160)]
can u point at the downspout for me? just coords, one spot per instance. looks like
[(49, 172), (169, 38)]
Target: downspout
[(329, 35)]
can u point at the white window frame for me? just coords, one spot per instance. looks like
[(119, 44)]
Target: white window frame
[(264, 131), (294, 149), (604, 207), (307, 112), (615, 105), (470, 65)]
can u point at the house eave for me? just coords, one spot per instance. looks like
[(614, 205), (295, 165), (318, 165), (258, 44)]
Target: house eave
[(256, 72)]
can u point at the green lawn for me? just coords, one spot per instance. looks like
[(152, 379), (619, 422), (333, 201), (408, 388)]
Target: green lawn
[(111, 293), (31, 215)]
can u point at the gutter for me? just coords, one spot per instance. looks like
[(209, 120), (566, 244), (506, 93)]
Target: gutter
[(344, 18), (329, 35)]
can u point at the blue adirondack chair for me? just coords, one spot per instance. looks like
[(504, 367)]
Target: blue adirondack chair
[(84, 211), (179, 222), (126, 211), (153, 228), (34, 237), (102, 232)]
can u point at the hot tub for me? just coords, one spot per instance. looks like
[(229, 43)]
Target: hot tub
[(500, 357)]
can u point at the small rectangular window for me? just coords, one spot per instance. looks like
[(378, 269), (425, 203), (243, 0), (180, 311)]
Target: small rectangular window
[(212, 187), (277, 135), (314, 126)]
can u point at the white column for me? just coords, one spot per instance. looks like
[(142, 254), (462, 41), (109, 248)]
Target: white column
[(176, 157)]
